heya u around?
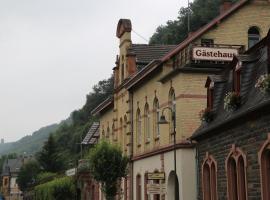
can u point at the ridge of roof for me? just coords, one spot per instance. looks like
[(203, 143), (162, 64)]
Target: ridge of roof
[(102, 105)]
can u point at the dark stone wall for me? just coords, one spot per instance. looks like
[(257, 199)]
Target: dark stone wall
[(249, 136)]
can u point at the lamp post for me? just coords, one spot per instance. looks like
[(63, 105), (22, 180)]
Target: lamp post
[(163, 120)]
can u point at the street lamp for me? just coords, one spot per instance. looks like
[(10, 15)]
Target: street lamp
[(163, 120)]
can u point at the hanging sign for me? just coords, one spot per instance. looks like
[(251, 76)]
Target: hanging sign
[(156, 176), (213, 54), (155, 188)]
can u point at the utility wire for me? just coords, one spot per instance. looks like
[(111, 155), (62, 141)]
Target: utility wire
[(140, 36)]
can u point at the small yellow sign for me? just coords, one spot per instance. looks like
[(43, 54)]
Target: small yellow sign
[(156, 176)]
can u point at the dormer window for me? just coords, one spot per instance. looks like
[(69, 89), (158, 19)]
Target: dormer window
[(237, 77), (253, 36), (210, 96)]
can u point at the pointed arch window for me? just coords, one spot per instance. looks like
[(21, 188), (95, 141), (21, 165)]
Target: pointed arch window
[(264, 161), (209, 178), (114, 137), (146, 196), (156, 130), (146, 123), (120, 130), (236, 174), (172, 117), (125, 142), (253, 36), (108, 132), (139, 126)]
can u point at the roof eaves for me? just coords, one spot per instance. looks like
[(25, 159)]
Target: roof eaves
[(105, 104)]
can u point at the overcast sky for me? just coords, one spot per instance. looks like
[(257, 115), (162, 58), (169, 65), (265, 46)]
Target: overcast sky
[(53, 51)]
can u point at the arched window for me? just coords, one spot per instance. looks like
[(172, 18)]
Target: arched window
[(172, 117), (139, 126), (236, 174), (108, 132), (120, 129), (209, 178), (138, 187), (113, 132), (103, 134), (264, 161), (125, 142), (253, 36), (156, 131), (146, 123)]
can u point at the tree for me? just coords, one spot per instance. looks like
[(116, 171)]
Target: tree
[(108, 166), (28, 174), (49, 158)]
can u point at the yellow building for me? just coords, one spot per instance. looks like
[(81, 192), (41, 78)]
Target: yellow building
[(151, 81)]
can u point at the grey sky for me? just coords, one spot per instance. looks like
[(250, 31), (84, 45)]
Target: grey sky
[(53, 51)]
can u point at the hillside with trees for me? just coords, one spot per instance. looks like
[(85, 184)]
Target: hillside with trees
[(175, 31)]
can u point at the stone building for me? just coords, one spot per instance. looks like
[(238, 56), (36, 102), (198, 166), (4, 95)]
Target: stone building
[(154, 81), (233, 147)]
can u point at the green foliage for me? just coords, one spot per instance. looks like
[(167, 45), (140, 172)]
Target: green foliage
[(28, 174), (107, 166), (57, 189), (175, 31), (45, 176), (49, 158)]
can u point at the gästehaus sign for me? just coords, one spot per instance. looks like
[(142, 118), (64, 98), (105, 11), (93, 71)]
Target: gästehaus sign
[(213, 53)]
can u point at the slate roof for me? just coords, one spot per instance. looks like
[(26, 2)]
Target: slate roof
[(255, 62), (12, 166), (92, 135), (145, 53)]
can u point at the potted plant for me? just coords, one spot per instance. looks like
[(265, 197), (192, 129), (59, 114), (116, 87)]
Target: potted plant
[(206, 115), (232, 101), (263, 83)]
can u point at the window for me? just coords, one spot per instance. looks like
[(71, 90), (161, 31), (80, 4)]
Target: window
[(236, 174), (146, 123), (253, 36), (172, 117), (209, 178), (264, 161), (114, 137), (120, 129), (139, 127), (125, 188), (210, 96), (103, 134), (207, 42), (156, 131), (138, 187), (108, 133), (125, 142), (237, 77)]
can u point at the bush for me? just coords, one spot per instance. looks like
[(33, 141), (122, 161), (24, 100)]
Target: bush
[(58, 189), (232, 101), (263, 84)]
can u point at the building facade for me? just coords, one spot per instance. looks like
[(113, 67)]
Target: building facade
[(151, 81), (233, 147)]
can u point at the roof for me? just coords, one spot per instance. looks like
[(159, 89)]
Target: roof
[(107, 103), (145, 53), (254, 64), (92, 135), (12, 166)]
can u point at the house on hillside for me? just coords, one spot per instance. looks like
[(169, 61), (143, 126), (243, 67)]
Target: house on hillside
[(234, 146), (10, 170), (164, 83)]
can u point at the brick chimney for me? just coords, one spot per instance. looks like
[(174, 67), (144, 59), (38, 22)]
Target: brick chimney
[(225, 5), (131, 63)]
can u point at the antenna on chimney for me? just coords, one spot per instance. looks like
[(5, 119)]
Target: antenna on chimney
[(188, 18)]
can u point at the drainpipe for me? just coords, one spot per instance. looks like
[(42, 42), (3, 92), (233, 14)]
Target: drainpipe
[(197, 171), (131, 145)]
